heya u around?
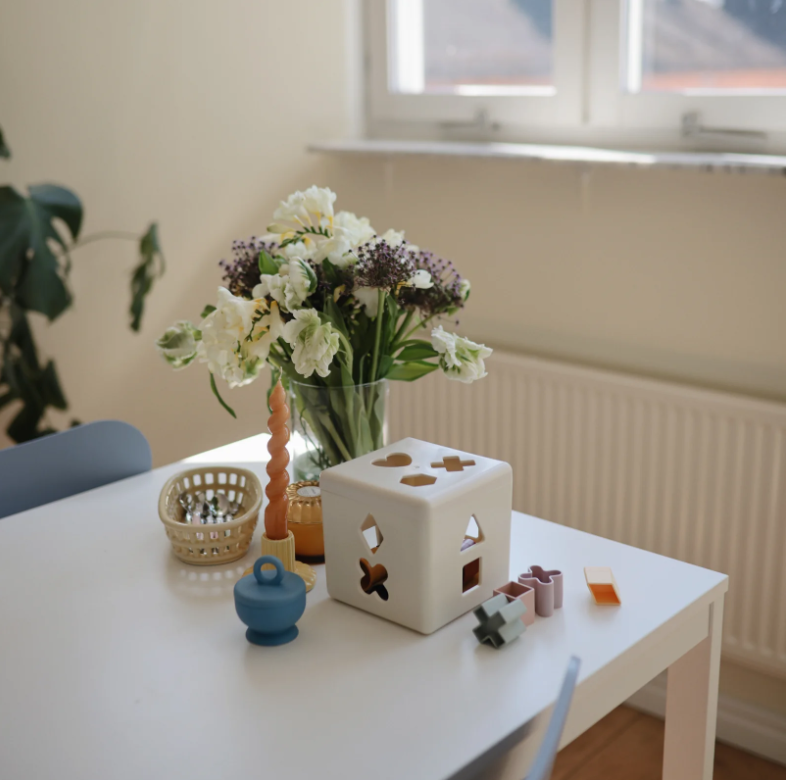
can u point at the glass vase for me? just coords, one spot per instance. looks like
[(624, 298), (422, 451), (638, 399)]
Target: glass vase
[(336, 424)]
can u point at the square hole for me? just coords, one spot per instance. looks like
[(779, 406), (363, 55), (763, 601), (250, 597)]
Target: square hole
[(197, 479), (208, 479), (222, 478), (470, 576)]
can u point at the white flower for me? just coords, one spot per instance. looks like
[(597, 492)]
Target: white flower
[(420, 279), (312, 209), (459, 358), (314, 344), (307, 251), (464, 289), (302, 281), (357, 230), (368, 298), (178, 345), (273, 285), (266, 332), (290, 287), (395, 238), (337, 249), (228, 344)]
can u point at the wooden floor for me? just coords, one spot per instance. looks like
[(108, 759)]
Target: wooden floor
[(627, 745)]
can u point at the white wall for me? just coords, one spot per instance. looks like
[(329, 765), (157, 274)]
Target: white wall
[(197, 114), (194, 113)]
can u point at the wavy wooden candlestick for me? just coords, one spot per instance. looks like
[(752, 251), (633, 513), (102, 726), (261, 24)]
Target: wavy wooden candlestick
[(278, 540), (276, 490)]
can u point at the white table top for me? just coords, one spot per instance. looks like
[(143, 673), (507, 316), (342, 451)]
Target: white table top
[(118, 661)]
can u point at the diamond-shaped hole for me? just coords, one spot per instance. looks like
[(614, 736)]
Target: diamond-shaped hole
[(371, 533), (418, 480), (473, 535)]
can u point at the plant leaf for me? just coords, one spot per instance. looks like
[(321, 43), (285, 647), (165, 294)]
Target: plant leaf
[(209, 309), (145, 273), (5, 152), (24, 426), (419, 350), (50, 386), (267, 265), (14, 234), (38, 275), (408, 372), (54, 201), (220, 399)]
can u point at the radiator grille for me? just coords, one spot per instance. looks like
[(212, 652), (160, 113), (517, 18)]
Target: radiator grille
[(692, 474)]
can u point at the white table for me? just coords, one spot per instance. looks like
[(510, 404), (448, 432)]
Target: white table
[(117, 661)]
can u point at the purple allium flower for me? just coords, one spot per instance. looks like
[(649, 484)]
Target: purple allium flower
[(383, 266), (446, 294), (242, 273)]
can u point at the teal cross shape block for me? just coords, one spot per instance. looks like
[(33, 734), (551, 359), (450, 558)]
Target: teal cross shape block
[(500, 621)]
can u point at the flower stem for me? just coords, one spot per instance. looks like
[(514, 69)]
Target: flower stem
[(404, 326), (378, 335), (421, 324)]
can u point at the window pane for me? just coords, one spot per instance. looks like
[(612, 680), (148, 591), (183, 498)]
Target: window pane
[(471, 46), (701, 45)]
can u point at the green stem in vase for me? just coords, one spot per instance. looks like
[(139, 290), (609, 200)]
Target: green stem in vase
[(378, 335)]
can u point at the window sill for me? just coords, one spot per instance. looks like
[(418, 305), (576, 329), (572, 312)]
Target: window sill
[(705, 161)]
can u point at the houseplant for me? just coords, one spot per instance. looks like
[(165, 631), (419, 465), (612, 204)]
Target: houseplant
[(336, 310), (38, 233)]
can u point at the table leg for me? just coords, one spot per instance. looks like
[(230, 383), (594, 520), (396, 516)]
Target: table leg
[(692, 706)]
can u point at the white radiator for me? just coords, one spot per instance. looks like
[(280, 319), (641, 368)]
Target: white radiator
[(692, 474)]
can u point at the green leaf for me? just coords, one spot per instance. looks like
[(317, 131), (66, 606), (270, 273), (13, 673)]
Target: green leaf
[(14, 237), (220, 399), (53, 201), (24, 426), (207, 310), (26, 259), (22, 337), (267, 265), (408, 372), (50, 385), (5, 152), (385, 364), (418, 350), (145, 273)]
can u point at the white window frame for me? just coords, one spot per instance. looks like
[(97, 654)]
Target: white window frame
[(589, 107)]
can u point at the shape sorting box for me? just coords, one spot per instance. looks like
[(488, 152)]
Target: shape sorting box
[(417, 533)]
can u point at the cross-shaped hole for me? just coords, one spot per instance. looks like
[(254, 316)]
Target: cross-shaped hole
[(452, 463), (373, 579)]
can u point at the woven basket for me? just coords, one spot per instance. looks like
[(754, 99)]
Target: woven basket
[(208, 545)]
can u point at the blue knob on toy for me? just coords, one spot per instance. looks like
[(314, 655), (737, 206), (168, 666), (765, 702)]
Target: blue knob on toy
[(270, 603)]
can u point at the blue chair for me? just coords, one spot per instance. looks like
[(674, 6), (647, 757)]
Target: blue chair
[(544, 761), (70, 462)]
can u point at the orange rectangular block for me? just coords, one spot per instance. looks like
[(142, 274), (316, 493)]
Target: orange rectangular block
[(602, 585)]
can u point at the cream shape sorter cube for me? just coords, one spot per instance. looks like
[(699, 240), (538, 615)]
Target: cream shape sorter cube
[(417, 533)]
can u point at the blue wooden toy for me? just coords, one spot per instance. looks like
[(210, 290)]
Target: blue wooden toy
[(500, 621), (270, 603)]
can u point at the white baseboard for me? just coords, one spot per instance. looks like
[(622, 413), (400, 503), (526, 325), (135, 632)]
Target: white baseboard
[(741, 724)]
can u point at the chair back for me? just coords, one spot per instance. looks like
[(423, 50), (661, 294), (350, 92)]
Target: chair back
[(63, 464), (544, 761)]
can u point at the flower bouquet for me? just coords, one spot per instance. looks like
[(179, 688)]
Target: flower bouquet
[(336, 310)]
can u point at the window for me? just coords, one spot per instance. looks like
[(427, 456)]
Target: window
[(635, 72)]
